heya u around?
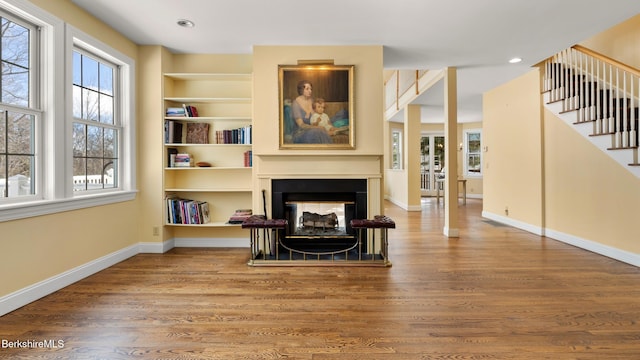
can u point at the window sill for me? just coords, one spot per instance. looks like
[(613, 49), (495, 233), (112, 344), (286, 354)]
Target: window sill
[(46, 207)]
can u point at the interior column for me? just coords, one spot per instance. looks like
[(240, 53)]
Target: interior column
[(451, 153), (411, 150)]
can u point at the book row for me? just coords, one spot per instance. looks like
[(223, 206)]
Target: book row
[(198, 133), (234, 136), (187, 211)]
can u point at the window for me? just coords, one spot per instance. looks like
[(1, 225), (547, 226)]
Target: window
[(67, 116), (396, 149), (473, 153), (96, 127), (19, 114)]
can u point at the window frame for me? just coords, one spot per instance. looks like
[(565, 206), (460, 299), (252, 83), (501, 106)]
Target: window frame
[(466, 154), (396, 149), (53, 142)]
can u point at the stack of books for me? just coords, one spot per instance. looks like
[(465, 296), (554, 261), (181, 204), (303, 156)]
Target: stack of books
[(182, 160), (187, 211), (240, 215)]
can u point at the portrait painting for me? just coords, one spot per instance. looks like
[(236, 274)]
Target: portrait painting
[(316, 106)]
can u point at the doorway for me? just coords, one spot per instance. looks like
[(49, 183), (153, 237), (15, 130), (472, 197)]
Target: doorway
[(431, 162)]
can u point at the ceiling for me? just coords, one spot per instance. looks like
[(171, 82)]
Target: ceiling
[(477, 37)]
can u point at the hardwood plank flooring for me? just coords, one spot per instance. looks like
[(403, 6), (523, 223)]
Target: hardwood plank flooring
[(494, 293)]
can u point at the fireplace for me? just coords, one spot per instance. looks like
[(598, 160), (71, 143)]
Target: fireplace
[(319, 212)]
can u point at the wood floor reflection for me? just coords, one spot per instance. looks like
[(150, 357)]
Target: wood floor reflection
[(494, 293)]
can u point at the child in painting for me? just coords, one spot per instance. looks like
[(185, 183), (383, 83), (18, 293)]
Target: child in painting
[(319, 118)]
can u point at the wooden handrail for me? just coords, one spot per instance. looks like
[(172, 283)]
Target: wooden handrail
[(607, 59)]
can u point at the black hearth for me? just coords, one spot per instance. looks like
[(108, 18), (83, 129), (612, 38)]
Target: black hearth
[(332, 203)]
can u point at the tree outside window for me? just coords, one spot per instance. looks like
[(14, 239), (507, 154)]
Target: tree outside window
[(95, 128), (18, 116)]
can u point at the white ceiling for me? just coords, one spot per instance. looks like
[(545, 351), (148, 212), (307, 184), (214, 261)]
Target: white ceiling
[(478, 37)]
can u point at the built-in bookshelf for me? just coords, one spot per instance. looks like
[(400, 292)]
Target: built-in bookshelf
[(207, 147)]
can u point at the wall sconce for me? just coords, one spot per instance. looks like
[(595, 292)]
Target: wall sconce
[(460, 147)]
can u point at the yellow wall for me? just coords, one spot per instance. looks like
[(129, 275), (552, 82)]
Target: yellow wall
[(38, 248), (512, 133), (620, 42), (588, 195)]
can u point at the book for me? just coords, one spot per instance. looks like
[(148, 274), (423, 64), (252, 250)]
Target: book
[(171, 156), (197, 133), (182, 160), (240, 216), (176, 112), (190, 111), (172, 132)]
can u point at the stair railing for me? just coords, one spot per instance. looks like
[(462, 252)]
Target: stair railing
[(601, 90)]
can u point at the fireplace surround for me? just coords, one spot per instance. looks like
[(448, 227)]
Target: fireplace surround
[(290, 197)]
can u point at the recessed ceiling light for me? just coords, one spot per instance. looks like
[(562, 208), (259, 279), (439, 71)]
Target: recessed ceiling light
[(186, 23), (515, 60)]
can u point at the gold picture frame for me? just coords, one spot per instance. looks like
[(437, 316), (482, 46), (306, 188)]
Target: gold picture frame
[(316, 106)]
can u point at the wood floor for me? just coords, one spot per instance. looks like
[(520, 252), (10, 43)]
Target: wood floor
[(494, 293)]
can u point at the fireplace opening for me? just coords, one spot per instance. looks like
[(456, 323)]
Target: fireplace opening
[(319, 211), (313, 218)]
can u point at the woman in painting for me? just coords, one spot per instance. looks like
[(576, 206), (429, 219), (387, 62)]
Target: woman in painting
[(301, 111)]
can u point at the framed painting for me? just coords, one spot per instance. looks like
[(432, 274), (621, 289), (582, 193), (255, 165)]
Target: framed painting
[(316, 106)]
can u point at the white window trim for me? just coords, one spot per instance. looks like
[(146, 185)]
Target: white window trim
[(400, 149), (54, 146), (465, 154), (126, 91)]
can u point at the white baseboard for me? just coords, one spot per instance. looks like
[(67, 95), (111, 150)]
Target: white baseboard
[(155, 248), (515, 223), (600, 249), (605, 250), (404, 206), (43, 288)]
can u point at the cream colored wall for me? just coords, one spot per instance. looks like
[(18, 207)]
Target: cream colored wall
[(587, 194), (512, 133), (365, 161), (38, 248), (620, 42)]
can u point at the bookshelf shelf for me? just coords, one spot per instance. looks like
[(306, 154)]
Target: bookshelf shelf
[(222, 103), (216, 224)]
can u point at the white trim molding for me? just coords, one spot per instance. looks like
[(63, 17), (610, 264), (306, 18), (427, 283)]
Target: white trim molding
[(595, 247)]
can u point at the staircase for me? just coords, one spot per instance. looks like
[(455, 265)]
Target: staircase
[(600, 97)]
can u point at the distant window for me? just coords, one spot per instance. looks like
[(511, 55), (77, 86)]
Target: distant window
[(473, 153), (396, 149)]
